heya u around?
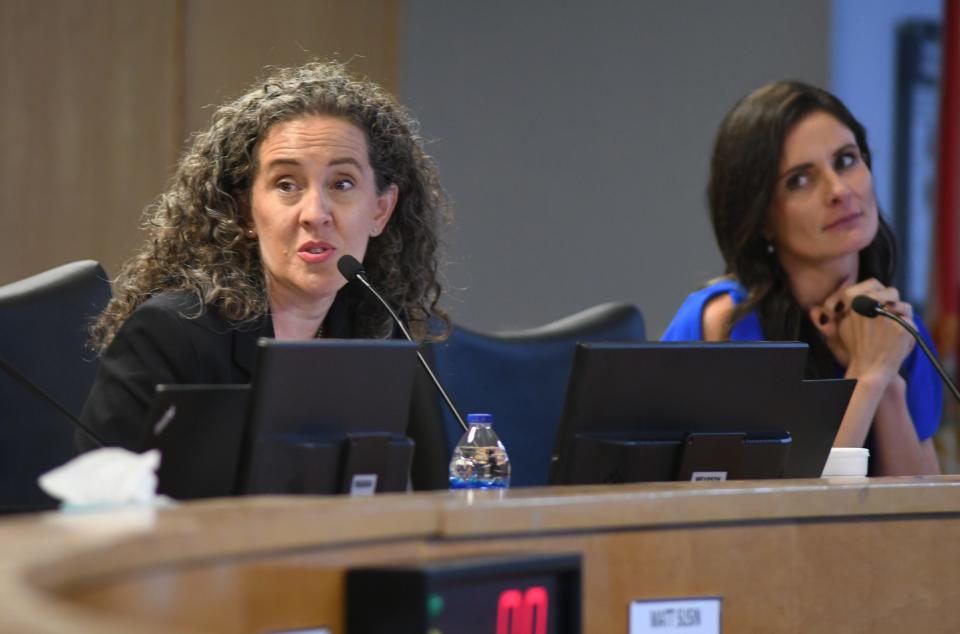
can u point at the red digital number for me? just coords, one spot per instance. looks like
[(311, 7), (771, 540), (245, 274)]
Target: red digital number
[(523, 613), (508, 611)]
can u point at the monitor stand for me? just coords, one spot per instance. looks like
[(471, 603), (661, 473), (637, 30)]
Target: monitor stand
[(358, 463)]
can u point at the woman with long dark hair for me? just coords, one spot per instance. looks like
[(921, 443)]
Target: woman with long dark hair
[(795, 215)]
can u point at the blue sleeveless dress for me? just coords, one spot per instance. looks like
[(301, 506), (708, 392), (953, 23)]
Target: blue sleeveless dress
[(924, 389)]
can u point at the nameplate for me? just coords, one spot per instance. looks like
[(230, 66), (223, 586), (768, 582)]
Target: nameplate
[(708, 476), (676, 616), (363, 484)]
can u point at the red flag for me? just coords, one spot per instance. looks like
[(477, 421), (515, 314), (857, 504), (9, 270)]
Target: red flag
[(947, 285)]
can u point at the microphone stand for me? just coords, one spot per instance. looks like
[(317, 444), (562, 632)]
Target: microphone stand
[(923, 345), (423, 362), (33, 387)]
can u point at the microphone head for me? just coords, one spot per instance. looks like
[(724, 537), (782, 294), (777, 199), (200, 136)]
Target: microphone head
[(350, 268), (866, 306)]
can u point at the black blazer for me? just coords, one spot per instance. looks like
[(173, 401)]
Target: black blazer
[(158, 343)]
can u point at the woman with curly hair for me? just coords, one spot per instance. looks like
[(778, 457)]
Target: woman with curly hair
[(307, 166), (795, 216)]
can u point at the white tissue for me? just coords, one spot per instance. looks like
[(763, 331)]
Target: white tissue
[(107, 476)]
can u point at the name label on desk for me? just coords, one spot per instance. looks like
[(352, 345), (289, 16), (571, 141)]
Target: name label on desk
[(363, 484), (708, 476), (676, 616)]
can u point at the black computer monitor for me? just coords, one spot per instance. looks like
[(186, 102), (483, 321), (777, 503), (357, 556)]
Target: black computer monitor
[(322, 416), (329, 416), (642, 412), (199, 430)]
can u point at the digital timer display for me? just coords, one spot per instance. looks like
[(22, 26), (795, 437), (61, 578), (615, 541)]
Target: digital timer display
[(520, 606), (534, 594)]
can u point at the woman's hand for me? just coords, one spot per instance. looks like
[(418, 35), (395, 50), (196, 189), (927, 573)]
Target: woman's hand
[(868, 347), (873, 351)]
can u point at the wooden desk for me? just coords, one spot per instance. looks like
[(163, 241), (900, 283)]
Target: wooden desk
[(786, 556)]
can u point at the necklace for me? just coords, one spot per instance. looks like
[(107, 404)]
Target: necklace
[(319, 334)]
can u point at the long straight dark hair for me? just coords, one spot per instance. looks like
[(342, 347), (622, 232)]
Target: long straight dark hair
[(743, 177)]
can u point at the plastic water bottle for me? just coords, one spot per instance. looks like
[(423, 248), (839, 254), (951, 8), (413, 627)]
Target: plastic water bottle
[(479, 460)]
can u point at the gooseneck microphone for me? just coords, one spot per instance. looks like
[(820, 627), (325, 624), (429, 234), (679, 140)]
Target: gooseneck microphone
[(869, 307), (351, 269), (43, 396)]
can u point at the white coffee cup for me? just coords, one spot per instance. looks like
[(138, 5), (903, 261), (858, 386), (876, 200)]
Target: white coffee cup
[(847, 462)]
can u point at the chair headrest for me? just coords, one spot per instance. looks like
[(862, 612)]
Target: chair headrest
[(53, 282), (603, 318)]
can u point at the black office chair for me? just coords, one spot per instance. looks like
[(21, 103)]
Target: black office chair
[(44, 320), (518, 377)]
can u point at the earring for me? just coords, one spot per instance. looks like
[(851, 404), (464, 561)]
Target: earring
[(770, 249), (251, 233)]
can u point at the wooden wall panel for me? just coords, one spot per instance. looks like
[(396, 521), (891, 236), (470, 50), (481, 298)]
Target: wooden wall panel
[(97, 98), (88, 127), (228, 43)]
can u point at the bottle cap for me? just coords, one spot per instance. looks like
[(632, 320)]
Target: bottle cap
[(479, 418)]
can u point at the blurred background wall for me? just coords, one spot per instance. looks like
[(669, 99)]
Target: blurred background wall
[(572, 136), (98, 97), (575, 137)]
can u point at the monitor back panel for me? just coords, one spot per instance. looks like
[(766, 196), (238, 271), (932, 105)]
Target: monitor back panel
[(199, 430), (704, 387), (332, 385)]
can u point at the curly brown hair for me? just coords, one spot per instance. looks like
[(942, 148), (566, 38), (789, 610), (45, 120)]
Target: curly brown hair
[(196, 237)]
